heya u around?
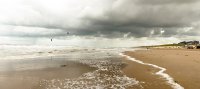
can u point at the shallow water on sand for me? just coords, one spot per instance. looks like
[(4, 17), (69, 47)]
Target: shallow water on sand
[(80, 68)]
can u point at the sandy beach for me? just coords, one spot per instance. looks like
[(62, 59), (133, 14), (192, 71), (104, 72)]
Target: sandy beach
[(183, 65)]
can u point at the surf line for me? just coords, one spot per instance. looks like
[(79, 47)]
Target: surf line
[(169, 79)]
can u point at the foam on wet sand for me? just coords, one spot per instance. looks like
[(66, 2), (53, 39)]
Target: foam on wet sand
[(162, 73), (181, 64)]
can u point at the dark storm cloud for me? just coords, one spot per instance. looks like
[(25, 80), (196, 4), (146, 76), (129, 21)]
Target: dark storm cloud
[(141, 20), (113, 18)]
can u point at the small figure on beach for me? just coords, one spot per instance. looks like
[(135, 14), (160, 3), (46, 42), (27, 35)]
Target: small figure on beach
[(51, 39)]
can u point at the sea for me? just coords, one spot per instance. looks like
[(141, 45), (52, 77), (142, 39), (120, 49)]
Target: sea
[(106, 61), (107, 64)]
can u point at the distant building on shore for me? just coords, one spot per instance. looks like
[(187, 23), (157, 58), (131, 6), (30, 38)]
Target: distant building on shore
[(190, 44)]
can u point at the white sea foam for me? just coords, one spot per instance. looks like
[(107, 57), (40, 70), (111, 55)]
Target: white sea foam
[(162, 73), (99, 79), (107, 75)]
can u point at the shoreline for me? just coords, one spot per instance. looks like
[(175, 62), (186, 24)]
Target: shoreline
[(181, 65), (160, 72)]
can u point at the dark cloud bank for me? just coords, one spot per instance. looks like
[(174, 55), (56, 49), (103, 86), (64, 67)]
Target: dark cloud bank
[(117, 18)]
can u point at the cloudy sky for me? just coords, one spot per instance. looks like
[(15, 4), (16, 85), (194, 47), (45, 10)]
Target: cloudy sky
[(131, 21)]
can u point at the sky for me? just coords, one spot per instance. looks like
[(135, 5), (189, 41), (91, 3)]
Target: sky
[(99, 22)]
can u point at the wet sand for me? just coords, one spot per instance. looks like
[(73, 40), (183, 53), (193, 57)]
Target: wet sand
[(29, 74), (181, 64), (145, 74)]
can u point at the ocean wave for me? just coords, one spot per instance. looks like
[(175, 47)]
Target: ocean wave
[(12, 52)]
